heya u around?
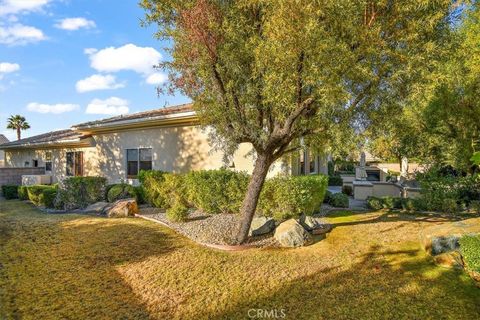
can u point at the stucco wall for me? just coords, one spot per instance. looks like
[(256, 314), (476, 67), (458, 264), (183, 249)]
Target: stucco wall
[(174, 149)]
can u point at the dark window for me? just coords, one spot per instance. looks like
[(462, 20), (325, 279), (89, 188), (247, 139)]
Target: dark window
[(48, 161), (75, 163), (138, 159), (35, 163)]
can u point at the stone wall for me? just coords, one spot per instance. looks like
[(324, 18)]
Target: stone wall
[(13, 176)]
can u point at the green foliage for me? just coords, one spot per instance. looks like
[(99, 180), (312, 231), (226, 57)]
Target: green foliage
[(216, 191), (174, 190), (470, 249), (287, 197), (122, 191), (475, 206), (177, 213), (339, 200), (47, 197), (22, 193), (378, 203), (79, 192), (10, 192), (335, 180), (328, 197), (449, 205), (348, 190), (476, 158), (42, 195), (374, 203), (151, 181)]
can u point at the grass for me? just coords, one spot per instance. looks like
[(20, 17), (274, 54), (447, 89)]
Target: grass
[(82, 267)]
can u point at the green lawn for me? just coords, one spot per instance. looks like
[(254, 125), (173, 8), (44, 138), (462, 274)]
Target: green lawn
[(82, 267)]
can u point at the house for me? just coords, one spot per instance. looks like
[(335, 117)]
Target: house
[(168, 139), (3, 140)]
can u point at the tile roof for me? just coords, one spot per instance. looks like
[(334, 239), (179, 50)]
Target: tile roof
[(46, 138), (3, 139), (139, 115)]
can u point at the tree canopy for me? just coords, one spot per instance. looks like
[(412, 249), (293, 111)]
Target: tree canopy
[(17, 123)]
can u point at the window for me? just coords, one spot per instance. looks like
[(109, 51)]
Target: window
[(75, 163), (48, 161), (302, 162), (35, 163), (138, 159)]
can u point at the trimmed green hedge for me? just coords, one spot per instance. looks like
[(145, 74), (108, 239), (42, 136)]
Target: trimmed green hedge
[(79, 192), (22, 193), (123, 191), (41, 195), (10, 192), (470, 249), (151, 181), (289, 197), (216, 191), (335, 180), (339, 200)]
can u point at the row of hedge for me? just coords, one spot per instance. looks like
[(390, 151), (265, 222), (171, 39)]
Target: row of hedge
[(418, 204), (222, 191)]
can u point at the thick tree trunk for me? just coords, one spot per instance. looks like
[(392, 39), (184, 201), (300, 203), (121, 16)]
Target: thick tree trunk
[(262, 164)]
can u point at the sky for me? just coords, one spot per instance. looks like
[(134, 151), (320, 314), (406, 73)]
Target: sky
[(64, 62)]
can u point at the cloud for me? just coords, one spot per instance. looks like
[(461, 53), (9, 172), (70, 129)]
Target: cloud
[(128, 57), (156, 78), (21, 6), (52, 108), (75, 24), (6, 67), (19, 34), (110, 106), (98, 82)]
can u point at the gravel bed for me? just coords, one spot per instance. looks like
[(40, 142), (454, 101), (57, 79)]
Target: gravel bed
[(218, 229)]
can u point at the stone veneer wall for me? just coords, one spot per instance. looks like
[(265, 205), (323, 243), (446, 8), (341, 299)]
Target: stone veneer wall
[(13, 176)]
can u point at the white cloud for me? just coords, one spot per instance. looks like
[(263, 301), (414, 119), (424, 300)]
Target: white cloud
[(98, 82), (156, 78), (110, 106), (6, 67), (89, 51), (52, 108), (21, 6), (75, 24), (128, 57), (19, 34)]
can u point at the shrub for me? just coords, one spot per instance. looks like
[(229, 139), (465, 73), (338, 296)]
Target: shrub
[(79, 192), (289, 197), (475, 206), (22, 193), (42, 195), (328, 197), (174, 190), (449, 206), (178, 212), (121, 191), (10, 192), (348, 190), (151, 181), (374, 203), (339, 200), (216, 191), (470, 249), (47, 197), (335, 180)]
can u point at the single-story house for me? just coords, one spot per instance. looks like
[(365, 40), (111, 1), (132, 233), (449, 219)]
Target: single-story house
[(168, 139), (3, 140)]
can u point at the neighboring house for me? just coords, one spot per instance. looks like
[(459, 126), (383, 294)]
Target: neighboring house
[(168, 139), (3, 140)]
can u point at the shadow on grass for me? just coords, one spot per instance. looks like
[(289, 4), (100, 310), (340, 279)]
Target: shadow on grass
[(65, 266), (384, 284)]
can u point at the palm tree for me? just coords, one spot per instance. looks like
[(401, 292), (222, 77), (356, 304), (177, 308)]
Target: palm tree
[(18, 123)]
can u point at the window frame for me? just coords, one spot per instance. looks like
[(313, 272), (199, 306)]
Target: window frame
[(138, 161), (77, 170), (48, 161)]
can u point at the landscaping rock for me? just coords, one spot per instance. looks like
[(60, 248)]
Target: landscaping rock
[(122, 208), (451, 259), (291, 234), (261, 225), (98, 207), (310, 223), (323, 229)]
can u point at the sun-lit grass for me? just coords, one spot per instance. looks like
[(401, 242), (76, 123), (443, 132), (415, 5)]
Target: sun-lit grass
[(82, 267)]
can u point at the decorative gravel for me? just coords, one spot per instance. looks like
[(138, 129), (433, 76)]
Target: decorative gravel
[(218, 229)]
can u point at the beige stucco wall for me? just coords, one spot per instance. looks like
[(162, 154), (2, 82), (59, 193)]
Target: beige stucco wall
[(174, 149)]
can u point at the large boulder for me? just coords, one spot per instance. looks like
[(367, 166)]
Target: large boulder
[(291, 234), (98, 207), (310, 223), (261, 225), (122, 208)]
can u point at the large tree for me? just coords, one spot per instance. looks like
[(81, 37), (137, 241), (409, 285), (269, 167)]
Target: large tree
[(17, 123), (269, 72)]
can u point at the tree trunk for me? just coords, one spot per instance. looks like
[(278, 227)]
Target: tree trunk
[(262, 164), (19, 134)]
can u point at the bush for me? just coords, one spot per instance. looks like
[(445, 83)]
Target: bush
[(374, 203), (470, 249), (151, 181), (42, 195), (387, 202), (328, 197), (10, 192), (178, 212), (348, 190), (335, 180), (47, 197), (449, 205), (174, 190), (216, 191), (22, 193), (121, 191), (290, 197), (475, 206), (339, 200), (79, 192)]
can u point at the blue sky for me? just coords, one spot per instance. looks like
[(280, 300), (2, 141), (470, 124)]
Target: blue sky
[(63, 62)]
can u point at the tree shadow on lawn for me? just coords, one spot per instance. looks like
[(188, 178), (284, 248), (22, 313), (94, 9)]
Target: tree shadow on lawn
[(401, 284), (66, 266)]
